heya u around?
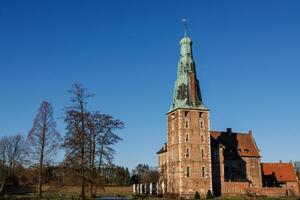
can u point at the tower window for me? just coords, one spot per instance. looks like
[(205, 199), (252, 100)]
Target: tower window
[(186, 113), (202, 153), (172, 137), (203, 172), (201, 124), (187, 123), (187, 153), (187, 137), (172, 125), (201, 114), (202, 138), (187, 172)]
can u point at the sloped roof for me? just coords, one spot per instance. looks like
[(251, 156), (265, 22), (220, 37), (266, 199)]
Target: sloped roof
[(187, 93), (242, 144), (163, 149), (284, 172)]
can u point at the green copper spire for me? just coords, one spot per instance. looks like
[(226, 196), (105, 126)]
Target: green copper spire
[(187, 92)]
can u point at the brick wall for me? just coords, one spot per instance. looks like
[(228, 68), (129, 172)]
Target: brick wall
[(232, 188), (273, 192), (189, 155)]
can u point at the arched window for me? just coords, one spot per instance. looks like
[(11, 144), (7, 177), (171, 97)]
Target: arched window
[(202, 153)]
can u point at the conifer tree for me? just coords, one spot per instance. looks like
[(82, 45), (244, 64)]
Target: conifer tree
[(43, 140)]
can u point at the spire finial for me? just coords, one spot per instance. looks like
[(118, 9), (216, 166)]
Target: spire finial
[(184, 20)]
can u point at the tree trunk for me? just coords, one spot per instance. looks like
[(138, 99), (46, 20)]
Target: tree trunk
[(99, 169), (82, 149), (41, 174), (82, 171), (92, 163), (43, 134)]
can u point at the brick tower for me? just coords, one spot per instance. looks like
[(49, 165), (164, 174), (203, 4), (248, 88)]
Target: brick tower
[(188, 159)]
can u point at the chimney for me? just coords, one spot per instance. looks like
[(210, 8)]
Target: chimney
[(228, 130)]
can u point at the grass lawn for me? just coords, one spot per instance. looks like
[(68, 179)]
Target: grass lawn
[(75, 191), (72, 193)]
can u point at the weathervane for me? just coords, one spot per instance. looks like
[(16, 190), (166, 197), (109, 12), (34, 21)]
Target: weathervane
[(184, 20)]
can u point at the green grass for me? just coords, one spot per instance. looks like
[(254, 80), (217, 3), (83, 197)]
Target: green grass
[(53, 193)]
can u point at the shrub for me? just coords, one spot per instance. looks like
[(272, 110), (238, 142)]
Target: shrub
[(197, 195), (209, 195)]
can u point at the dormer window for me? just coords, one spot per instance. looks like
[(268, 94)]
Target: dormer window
[(246, 150)]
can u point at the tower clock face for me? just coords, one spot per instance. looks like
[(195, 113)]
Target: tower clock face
[(182, 92)]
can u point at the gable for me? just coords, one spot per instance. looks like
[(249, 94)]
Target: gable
[(241, 144)]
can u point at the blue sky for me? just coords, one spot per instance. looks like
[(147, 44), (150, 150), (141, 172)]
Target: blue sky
[(126, 52)]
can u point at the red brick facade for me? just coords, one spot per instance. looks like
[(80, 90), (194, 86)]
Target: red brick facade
[(188, 152), (196, 159)]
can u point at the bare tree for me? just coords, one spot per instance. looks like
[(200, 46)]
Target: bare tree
[(3, 155), (11, 153), (106, 139), (76, 118), (89, 139), (100, 140), (43, 140), (15, 150), (91, 146)]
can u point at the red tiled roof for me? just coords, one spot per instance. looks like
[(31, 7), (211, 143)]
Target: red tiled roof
[(242, 143), (284, 172)]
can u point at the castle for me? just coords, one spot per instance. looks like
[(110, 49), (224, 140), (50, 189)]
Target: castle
[(197, 159)]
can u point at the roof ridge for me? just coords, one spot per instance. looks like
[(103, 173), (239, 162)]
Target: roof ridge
[(277, 163), (232, 132)]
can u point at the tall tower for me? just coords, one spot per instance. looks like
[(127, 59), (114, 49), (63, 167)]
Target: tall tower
[(188, 126)]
